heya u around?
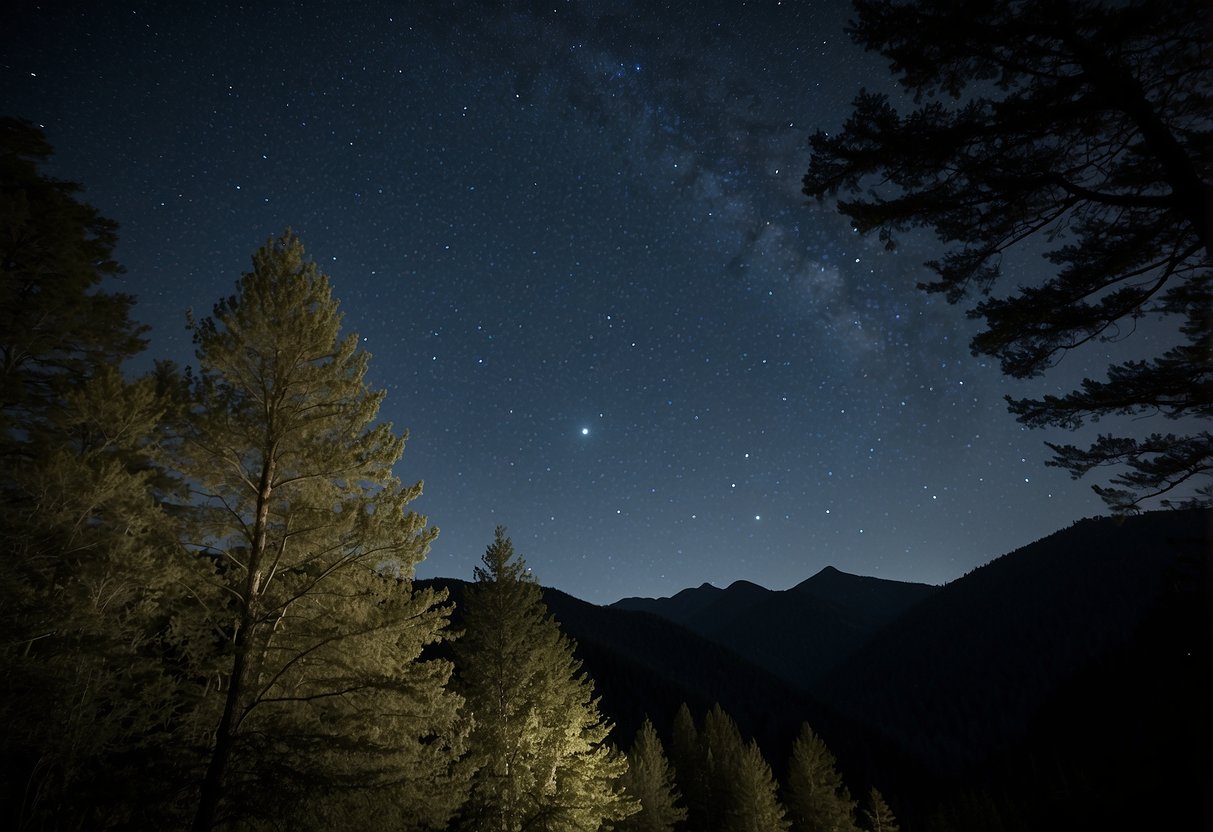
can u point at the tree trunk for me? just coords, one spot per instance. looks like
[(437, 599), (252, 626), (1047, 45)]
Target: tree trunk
[(212, 782)]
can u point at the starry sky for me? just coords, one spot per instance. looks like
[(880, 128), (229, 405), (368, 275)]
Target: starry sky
[(572, 237)]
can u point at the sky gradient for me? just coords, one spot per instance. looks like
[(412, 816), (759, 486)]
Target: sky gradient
[(573, 239)]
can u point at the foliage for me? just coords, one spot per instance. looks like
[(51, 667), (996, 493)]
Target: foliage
[(319, 696), (539, 744), (877, 816), (816, 797), (89, 578), (650, 780), (740, 790), (685, 753), (1085, 126), (57, 327)]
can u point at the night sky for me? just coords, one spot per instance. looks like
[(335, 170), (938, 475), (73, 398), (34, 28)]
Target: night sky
[(573, 239)]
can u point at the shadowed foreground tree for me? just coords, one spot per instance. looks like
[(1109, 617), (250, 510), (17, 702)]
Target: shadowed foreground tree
[(321, 712), (57, 326), (91, 578), (90, 574), (742, 795), (538, 743), (685, 754), (1085, 125)]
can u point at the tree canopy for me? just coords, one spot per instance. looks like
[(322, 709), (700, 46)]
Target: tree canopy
[(1086, 126), (58, 326), (817, 799), (321, 696), (539, 745), (88, 578), (650, 780)]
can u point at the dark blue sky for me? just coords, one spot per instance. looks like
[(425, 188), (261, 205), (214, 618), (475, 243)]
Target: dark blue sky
[(573, 239)]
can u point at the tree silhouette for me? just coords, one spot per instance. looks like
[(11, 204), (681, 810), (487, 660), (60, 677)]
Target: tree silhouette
[(1085, 125), (686, 753), (88, 577), (57, 326), (742, 795)]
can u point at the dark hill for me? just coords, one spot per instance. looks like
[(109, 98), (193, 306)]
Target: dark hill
[(643, 664), (799, 634), (961, 676)]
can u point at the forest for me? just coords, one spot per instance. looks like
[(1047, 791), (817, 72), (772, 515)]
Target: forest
[(208, 593), (208, 602)]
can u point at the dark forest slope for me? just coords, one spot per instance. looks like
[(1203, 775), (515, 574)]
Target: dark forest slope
[(799, 634)]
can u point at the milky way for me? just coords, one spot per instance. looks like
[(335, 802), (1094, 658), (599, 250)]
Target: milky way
[(573, 239)]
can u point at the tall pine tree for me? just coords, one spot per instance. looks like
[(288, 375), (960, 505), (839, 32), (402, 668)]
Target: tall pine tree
[(877, 816), (89, 574), (741, 790), (650, 780), (817, 799), (686, 753), (319, 697), (539, 744)]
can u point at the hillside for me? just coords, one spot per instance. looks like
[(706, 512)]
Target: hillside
[(962, 675), (1065, 682), (799, 634)]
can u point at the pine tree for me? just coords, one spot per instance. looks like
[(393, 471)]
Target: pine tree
[(686, 753), (88, 574), (57, 327), (539, 743), (92, 572), (320, 697), (817, 799), (1081, 125), (741, 790), (650, 780), (877, 815)]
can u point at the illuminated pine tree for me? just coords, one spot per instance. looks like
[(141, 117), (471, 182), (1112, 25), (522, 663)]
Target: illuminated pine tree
[(539, 743), (650, 780), (816, 797), (323, 707), (877, 816)]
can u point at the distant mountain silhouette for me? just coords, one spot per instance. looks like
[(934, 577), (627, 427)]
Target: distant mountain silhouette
[(799, 634), (961, 675), (1065, 684), (643, 664)]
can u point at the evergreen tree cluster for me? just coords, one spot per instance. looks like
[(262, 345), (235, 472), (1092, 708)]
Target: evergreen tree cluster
[(207, 600), (721, 783)]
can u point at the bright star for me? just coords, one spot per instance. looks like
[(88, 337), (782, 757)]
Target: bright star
[(585, 431)]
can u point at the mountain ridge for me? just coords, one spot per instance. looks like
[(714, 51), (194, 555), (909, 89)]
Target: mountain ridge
[(832, 613)]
